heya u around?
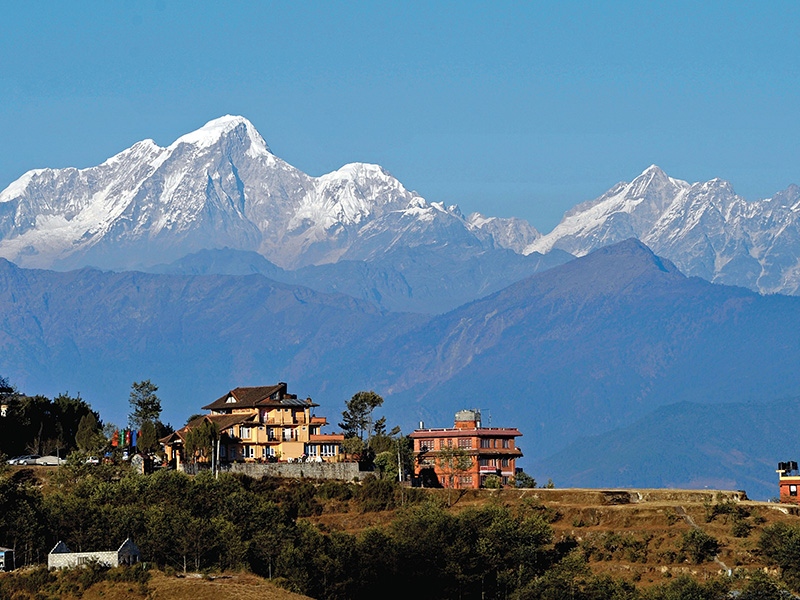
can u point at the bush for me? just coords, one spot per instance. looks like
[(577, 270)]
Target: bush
[(492, 482), (376, 494), (700, 546), (523, 480), (740, 528), (780, 544)]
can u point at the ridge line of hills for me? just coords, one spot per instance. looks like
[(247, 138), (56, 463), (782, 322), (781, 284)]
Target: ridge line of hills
[(586, 347)]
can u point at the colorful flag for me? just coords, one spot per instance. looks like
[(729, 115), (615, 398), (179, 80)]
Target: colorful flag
[(115, 438)]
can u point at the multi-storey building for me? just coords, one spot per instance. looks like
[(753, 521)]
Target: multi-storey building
[(263, 424), (490, 451), (788, 482)]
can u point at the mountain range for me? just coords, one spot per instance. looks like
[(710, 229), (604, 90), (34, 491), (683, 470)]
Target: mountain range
[(704, 228), (641, 314), (220, 188), (583, 348)]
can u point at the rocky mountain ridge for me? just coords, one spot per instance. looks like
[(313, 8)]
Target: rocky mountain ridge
[(704, 228), (221, 186)]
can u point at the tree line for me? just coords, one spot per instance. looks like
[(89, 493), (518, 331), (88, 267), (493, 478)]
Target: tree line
[(426, 550), (63, 424)]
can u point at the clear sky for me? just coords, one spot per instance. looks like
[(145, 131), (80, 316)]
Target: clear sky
[(511, 109)]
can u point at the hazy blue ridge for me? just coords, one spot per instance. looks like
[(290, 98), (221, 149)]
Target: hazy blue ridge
[(580, 349), (421, 279), (686, 445)]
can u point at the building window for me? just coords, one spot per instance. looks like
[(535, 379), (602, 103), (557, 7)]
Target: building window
[(465, 443), (505, 480), (449, 443), (244, 433), (465, 480), (793, 490), (328, 449), (250, 451), (486, 443), (504, 462), (506, 443), (287, 435), (483, 462)]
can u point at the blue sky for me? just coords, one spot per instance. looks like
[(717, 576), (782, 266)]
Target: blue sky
[(518, 109)]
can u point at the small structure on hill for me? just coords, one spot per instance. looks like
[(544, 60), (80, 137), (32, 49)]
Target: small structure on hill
[(788, 481), (61, 557), (6, 559), (483, 452)]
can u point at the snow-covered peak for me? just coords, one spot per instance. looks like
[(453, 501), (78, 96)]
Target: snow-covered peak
[(221, 186), (18, 187), (210, 134)]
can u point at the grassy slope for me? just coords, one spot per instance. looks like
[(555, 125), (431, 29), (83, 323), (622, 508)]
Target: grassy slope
[(654, 522)]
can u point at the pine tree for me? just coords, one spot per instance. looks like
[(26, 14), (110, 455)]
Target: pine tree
[(146, 405)]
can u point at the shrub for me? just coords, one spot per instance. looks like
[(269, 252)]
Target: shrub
[(699, 546), (492, 482)]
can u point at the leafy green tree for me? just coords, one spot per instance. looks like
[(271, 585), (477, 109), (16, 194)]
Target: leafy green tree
[(68, 412), (493, 482), (760, 587), (686, 588), (780, 544), (523, 480), (387, 465), (699, 545), (148, 437), (89, 437), (200, 440), (22, 516), (357, 417), (145, 403)]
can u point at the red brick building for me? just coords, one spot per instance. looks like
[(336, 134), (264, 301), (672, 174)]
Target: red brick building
[(491, 451), (788, 482)]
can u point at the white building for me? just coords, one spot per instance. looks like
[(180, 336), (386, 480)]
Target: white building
[(61, 557)]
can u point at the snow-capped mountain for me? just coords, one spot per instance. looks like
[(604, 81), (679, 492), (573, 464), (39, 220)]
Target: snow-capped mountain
[(221, 186), (704, 228)]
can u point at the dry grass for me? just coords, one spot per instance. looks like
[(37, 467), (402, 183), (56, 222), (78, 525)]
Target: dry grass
[(230, 586), (586, 516)]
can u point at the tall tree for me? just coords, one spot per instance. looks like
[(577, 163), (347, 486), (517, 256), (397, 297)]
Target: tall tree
[(69, 412), (89, 437), (200, 440), (148, 437), (357, 417), (145, 403)]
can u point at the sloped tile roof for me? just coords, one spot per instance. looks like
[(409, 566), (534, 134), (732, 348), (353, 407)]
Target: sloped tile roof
[(259, 396)]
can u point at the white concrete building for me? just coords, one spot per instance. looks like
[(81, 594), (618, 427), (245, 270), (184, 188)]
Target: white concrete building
[(61, 557)]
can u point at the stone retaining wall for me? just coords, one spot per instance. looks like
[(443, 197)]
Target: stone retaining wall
[(343, 471)]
